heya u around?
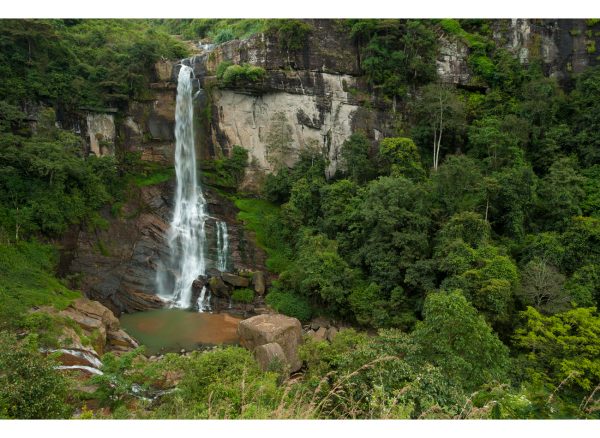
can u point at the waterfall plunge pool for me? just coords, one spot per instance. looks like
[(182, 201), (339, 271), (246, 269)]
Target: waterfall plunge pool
[(170, 330)]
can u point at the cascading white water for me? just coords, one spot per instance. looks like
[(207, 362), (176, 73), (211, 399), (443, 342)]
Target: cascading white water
[(187, 235), (204, 300), (222, 246)]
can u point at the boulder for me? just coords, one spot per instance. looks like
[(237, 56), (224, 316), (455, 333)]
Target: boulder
[(321, 334), (270, 356), (89, 310), (318, 322), (265, 329), (258, 281), (331, 332), (218, 287), (118, 338), (235, 280)]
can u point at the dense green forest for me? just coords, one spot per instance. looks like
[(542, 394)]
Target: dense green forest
[(464, 251)]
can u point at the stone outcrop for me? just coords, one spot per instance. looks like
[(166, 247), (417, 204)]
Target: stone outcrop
[(279, 329), (117, 265), (101, 133), (258, 282), (235, 280), (100, 329)]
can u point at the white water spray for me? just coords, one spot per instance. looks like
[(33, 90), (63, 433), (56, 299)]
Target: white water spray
[(187, 235), (222, 246), (204, 300)]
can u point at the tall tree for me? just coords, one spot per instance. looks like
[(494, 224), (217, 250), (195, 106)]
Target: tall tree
[(442, 114)]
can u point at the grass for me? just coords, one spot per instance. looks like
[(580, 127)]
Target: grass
[(453, 27), (243, 295), (28, 280), (263, 218), (152, 177)]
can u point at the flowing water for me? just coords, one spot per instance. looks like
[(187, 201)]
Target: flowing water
[(222, 246), (170, 330), (187, 235)]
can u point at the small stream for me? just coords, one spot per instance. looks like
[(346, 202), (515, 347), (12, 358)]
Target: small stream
[(170, 330)]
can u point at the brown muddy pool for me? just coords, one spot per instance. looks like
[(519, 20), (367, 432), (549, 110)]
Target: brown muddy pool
[(170, 330)]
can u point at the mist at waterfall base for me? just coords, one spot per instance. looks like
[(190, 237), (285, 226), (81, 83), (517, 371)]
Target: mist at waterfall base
[(187, 233)]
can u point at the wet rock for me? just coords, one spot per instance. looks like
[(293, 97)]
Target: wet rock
[(265, 329), (235, 280), (218, 287), (258, 282)]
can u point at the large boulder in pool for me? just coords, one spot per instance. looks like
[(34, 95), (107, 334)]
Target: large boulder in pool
[(279, 329)]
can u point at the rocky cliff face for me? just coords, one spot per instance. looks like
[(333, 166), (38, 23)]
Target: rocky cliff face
[(117, 265), (319, 92)]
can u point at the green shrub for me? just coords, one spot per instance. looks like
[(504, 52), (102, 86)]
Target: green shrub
[(244, 72), (224, 35), (224, 383), (229, 172), (291, 34), (243, 295), (30, 388), (591, 46), (222, 67), (290, 304)]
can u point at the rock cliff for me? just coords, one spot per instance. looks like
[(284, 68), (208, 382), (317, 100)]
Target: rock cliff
[(319, 93)]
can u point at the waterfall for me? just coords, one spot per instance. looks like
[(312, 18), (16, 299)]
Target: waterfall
[(187, 235), (204, 300), (222, 246)]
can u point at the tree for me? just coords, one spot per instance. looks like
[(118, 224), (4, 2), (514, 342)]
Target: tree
[(560, 194), (399, 157), (304, 205), (458, 185), (453, 337), (355, 154), (494, 140), (441, 111), (542, 288), (467, 226), (319, 273), (396, 55), (30, 387), (337, 207), (581, 241), (487, 277), (586, 117), (562, 349), (511, 196), (390, 229)]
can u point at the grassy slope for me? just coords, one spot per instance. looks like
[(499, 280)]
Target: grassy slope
[(26, 270), (262, 218)]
